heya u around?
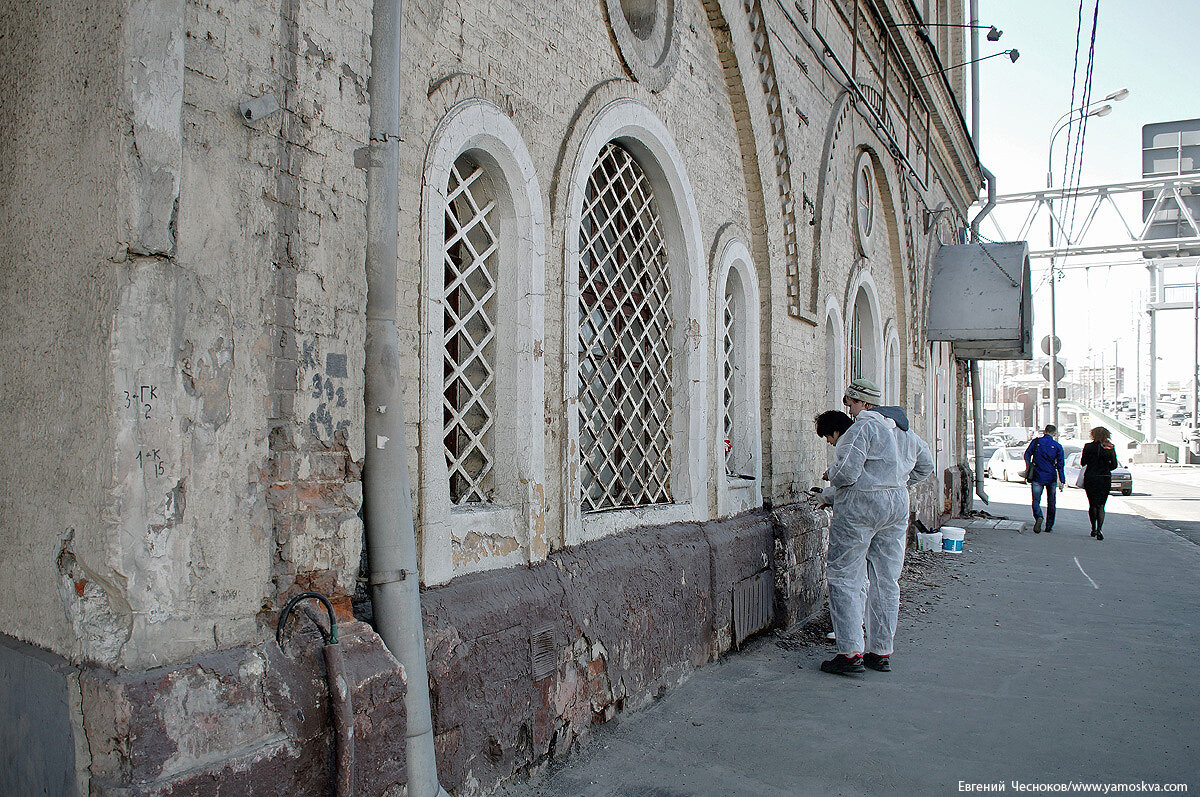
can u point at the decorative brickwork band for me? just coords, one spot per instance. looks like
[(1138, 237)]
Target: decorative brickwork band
[(783, 164)]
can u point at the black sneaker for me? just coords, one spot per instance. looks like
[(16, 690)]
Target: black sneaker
[(1037, 525), (1099, 534), (877, 662), (843, 665)]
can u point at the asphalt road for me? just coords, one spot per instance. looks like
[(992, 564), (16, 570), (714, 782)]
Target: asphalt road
[(1033, 661), (1169, 497), (1166, 495)]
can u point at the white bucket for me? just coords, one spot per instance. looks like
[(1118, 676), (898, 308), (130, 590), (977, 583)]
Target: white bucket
[(952, 539), (929, 542)]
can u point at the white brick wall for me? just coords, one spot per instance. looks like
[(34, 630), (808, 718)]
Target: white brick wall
[(261, 304)]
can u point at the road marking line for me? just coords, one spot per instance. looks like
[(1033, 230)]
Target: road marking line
[(1085, 575)]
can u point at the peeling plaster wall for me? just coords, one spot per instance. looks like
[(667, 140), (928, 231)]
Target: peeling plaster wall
[(271, 225), (249, 720), (183, 320), (63, 126)]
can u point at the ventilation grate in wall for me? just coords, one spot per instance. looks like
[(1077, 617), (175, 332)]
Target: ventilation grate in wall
[(542, 653), (753, 605)]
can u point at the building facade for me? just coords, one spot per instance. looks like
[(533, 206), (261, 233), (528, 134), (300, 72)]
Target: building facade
[(641, 245)]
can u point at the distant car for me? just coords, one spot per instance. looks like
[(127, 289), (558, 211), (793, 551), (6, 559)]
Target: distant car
[(987, 450), (1178, 417), (1006, 464), (1011, 435), (1122, 479)]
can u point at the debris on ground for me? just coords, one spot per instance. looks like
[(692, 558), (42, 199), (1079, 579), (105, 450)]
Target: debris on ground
[(923, 574), (979, 513)]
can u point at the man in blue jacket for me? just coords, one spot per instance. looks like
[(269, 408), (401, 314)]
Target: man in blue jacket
[(1044, 461)]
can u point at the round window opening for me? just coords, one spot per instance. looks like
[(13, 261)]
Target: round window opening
[(647, 38), (864, 201), (639, 14)]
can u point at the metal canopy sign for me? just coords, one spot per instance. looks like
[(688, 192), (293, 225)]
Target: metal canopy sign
[(980, 301)]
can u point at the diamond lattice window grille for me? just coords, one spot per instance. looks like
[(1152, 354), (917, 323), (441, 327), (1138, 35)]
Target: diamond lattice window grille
[(727, 379), (856, 341), (469, 332), (625, 381)]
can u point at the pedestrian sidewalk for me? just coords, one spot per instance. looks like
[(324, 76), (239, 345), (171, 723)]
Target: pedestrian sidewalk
[(1035, 659)]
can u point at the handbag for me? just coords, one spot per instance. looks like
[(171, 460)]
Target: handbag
[(1082, 475)]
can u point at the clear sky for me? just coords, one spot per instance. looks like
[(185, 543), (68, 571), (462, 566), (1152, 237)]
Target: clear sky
[(1147, 46)]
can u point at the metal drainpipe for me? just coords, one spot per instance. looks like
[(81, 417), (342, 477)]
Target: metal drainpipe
[(976, 389), (387, 498), (977, 404), (976, 394)]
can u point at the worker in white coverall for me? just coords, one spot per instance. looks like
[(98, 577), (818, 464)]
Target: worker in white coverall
[(874, 462)]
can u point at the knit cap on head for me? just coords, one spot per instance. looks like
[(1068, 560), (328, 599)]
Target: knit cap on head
[(864, 390)]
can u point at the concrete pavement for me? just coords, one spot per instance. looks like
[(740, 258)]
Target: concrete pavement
[(1039, 659)]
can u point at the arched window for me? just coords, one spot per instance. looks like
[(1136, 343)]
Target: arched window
[(625, 368), (835, 380), (482, 479), (635, 321), (740, 433), (891, 371), (864, 355), (470, 269)]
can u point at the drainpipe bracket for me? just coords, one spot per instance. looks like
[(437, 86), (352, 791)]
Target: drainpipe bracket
[(388, 577)]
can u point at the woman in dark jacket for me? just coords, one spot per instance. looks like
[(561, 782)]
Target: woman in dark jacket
[(1100, 458)]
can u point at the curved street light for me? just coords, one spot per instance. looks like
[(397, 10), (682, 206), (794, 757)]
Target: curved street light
[(1100, 107)]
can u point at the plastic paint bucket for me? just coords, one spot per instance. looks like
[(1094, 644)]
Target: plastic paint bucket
[(929, 542), (952, 539)]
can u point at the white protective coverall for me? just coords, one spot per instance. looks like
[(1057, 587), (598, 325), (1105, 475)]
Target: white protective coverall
[(874, 462)]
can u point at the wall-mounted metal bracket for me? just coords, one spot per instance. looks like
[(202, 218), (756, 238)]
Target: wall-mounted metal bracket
[(257, 108)]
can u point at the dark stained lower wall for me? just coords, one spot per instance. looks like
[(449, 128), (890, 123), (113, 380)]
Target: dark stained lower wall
[(523, 662), (958, 491), (616, 622), (247, 721), (801, 543)]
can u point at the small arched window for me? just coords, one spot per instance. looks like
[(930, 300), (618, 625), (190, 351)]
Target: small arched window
[(891, 371), (835, 380), (482, 467), (864, 356), (740, 433)]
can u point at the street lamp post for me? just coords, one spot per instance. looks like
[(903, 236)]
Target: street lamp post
[(1196, 360), (1098, 108)]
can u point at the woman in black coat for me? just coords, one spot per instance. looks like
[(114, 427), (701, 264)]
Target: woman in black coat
[(1100, 458)]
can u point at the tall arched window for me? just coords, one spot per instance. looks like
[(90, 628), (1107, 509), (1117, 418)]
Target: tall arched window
[(864, 355), (733, 310), (740, 433), (469, 332), (482, 481), (625, 368), (636, 319)]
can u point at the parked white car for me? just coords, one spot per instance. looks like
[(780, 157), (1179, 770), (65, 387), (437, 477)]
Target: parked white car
[(1006, 464)]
